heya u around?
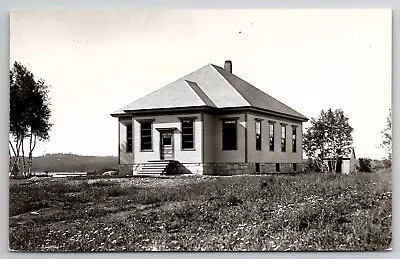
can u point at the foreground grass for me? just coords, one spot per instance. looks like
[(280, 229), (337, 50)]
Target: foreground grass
[(265, 213)]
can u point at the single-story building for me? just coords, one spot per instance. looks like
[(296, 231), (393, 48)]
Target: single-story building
[(344, 164), (209, 122)]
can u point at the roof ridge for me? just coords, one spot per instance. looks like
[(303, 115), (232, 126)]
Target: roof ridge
[(200, 93), (159, 89), (213, 66)]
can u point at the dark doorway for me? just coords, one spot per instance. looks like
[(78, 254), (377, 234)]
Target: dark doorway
[(339, 166), (166, 145)]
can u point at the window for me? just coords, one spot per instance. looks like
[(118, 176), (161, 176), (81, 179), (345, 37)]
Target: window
[(277, 167), (271, 136), (229, 135), (129, 138), (258, 135), (187, 134), (283, 139), (294, 147), (258, 167), (294, 167), (145, 136), (167, 140)]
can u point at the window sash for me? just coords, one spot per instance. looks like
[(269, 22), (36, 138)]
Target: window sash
[(294, 142), (229, 135), (283, 139), (187, 134), (258, 135), (146, 142), (188, 145), (129, 138), (271, 137)]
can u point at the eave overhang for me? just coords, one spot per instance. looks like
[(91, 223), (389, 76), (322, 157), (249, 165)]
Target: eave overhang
[(207, 109)]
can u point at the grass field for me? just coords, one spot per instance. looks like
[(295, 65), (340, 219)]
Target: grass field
[(307, 212)]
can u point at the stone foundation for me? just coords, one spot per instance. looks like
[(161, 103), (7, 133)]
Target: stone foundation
[(249, 168), (186, 168), (216, 168), (227, 168), (124, 170)]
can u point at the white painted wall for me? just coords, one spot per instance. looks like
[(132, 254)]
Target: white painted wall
[(346, 166), (168, 121), (213, 152), (124, 157)]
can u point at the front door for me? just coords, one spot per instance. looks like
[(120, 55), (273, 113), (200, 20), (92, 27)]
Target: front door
[(167, 146)]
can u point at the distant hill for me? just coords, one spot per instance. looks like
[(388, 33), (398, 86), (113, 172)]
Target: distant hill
[(73, 163)]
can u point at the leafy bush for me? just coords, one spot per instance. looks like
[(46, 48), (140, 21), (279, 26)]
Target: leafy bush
[(311, 165), (364, 165), (387, 163), (232, 200)]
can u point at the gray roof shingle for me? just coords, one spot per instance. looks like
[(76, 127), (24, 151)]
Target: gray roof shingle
[(209, 86)]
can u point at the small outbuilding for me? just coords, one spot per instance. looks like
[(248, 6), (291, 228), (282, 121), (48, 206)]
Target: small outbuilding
[(345, 165)]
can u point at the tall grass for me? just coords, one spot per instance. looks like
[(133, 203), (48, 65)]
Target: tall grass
[(272, 213)]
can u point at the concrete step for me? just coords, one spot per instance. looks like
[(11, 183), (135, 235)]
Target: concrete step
[(152, 170), (159, 161), (159, 164), (150, 173), (154, 167)]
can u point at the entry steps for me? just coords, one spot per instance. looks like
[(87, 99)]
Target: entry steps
[(155, 167)]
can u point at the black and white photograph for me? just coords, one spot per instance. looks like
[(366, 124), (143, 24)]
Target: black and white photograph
[(200, 130)]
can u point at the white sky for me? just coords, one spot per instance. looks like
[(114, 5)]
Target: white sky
[(97, 62)]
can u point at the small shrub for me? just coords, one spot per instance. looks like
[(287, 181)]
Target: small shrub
[(387, 163), (233, 201), (364, 165), (311, 165), (270, 182)]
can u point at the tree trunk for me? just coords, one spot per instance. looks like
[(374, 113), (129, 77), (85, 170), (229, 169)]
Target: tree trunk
[(23, 158), (12, 157), (31, 148), (18, 160), (329, 165), (16, 163), (9, 161), (338, 166), (333, 168)]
